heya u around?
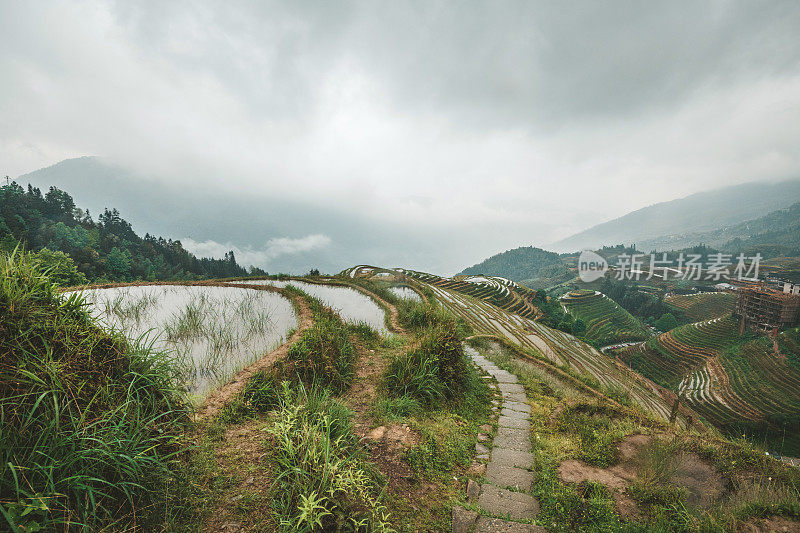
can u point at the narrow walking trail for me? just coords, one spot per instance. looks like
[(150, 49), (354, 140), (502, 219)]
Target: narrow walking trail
[(505, 494)]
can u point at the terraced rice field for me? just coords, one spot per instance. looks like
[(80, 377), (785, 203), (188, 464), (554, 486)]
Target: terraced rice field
[(703, 306), (725, 378), (606, 322), (406, 293), (560, 348), (212, 331), (353, 306), (503, 293)]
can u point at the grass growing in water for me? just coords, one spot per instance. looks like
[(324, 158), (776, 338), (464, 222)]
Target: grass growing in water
[(89, 420)]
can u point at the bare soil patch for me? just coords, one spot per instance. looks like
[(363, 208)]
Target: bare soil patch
[(703, 483), (769, 525), (243, 503)]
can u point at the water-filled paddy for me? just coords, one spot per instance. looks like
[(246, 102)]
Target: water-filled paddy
[(213, 331), (406, 293), (353, 306)]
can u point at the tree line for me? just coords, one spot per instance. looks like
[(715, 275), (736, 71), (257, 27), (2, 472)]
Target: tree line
[(82, 250)]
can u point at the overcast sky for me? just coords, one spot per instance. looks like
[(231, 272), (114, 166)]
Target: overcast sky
[(497, 124)]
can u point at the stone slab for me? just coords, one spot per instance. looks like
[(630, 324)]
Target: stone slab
[(514, 397), (519, 415), (495, 525), (518, 423), (517, 406), (509, 457), (503, 376), (509, 476), (503, 502), (512, 387), (512, 442)]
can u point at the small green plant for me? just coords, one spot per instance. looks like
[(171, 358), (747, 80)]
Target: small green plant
[(324, 354), (323, 481)]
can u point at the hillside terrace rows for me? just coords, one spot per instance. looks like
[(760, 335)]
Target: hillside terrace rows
[(560, 348), (723, 377), (606, 321), (704, 305), (501, 292)]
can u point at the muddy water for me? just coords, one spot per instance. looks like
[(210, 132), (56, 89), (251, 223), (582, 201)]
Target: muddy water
[(212, 331), (353, 306)]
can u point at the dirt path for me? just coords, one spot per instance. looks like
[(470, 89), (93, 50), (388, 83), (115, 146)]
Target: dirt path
[(221, 396)]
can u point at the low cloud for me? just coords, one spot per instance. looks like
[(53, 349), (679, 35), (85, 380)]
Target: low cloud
[(260, 257)]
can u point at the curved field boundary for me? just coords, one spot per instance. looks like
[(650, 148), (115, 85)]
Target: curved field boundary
[(391, 315), (221, 396), (606, 321), (703, 306)]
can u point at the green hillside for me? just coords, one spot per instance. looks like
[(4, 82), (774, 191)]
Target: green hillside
[(739, 383), (519, 264), (106, 249), (606, 322), (703, 306)]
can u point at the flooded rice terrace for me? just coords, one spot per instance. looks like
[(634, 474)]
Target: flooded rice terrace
[(406, 293), (212, 331), (353, 306)]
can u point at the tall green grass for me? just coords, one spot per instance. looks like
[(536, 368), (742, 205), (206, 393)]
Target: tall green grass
[(437, 369), (324, 355), (324, 482), (88, 421)]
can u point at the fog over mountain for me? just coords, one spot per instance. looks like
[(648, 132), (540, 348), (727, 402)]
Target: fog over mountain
[(679, 223), (428, 135)]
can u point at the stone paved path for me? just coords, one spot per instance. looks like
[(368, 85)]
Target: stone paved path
[(505, 495)]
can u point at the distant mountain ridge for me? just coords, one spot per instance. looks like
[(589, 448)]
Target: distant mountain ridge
[(697, 213)]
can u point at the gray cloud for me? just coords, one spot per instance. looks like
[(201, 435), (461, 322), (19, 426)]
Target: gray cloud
[(484, 124)]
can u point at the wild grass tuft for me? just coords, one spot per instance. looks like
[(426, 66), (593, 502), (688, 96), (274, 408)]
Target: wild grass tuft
[(437, 369), (89, 420), (324, 355), (323, 481)]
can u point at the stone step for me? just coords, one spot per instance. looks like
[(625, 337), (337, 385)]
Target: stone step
[(503, 376), (509, 476), (517, 423), (510, 413), (508, 457), (517, 406), (513, 439), (512, 387), (515, 397), (503, 502)]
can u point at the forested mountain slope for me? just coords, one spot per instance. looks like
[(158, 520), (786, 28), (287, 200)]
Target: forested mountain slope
[(105, 249)]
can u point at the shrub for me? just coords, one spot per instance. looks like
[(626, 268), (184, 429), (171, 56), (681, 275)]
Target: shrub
[(324, 354), (437, 369), (666, 322), (89, 420)]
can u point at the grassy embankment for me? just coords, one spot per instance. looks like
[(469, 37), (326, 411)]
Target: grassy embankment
[(92, 424)]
